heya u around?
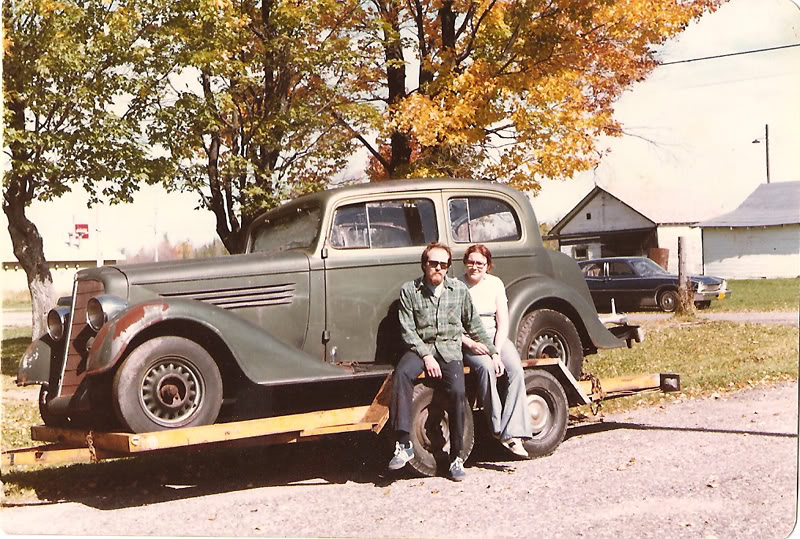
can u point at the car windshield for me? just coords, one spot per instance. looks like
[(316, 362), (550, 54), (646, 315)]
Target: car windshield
[(646, 267), (295, 228)]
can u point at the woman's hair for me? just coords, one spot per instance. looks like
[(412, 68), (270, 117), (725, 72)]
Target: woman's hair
[(483, 250)]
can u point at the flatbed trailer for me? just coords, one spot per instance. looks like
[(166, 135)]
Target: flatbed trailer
[(74, 445)]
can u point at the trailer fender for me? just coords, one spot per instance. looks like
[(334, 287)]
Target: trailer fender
[(249, 349), (34, 366)]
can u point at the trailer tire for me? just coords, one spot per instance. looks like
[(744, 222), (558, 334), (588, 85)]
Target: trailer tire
[(430, 432), (549, 412), (548, 333), (165, 383)]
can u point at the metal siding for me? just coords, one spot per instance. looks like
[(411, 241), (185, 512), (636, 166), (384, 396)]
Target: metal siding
[(668, 239), (747, 253)]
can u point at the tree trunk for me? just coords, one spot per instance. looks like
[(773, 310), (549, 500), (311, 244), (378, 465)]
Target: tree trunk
[(28, 248)]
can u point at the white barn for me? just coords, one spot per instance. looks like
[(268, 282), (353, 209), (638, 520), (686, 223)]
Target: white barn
[(603, 224), (760, 238)]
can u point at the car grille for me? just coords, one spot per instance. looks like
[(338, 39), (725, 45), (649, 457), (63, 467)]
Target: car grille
[(711, 287), (73, 370)]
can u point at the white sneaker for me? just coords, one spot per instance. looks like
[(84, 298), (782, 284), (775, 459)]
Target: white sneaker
[(515, 446)]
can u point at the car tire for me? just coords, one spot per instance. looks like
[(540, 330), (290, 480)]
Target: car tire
[(165, 383), (703, 304), (547, 333), (668, 300), (549, 412), (430, 432), (50, 419)]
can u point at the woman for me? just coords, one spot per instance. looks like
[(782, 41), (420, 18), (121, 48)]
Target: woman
[(508, 416)]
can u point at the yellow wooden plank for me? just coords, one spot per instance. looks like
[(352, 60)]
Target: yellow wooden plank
[(51, 456)]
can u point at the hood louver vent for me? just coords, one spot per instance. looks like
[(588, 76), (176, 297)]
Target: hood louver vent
[(242, 297)]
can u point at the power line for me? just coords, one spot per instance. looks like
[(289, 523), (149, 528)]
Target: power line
[(729, 54)]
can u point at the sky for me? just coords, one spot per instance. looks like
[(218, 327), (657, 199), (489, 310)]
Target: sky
[(698, 118)]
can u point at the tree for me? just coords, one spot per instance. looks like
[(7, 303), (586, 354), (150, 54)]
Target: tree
[(511, 90), (67, 66), (255, 124)]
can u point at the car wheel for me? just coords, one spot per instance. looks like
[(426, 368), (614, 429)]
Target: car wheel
[(668, 300), (547, 333), (166, 383), (430, 431), (703, 304), (549, 412), (49, 419)]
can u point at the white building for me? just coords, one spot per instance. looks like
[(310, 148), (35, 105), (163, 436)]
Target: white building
[(760, 238), (643, 223)]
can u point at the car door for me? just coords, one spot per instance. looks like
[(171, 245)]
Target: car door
[(373, 247), (594, 273), (622, 283)]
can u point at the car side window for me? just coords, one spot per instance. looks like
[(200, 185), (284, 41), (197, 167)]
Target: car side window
[(619, 269), (477, 219), (391, 223), (594, 269)]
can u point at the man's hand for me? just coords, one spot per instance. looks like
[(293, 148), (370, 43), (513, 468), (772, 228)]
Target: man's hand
[(499, 368), (432, 367)]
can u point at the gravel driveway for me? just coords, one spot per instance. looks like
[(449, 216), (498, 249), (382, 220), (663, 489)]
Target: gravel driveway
[(716, 467)]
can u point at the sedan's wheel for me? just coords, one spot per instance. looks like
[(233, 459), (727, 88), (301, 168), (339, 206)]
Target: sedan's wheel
[(548, 409), (167, 382), (550, 334), (668, 300), (430, 431)]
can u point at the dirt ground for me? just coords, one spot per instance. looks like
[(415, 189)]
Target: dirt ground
[(716, 467)]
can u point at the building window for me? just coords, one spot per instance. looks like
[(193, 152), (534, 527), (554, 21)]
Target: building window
[(588, 216), (580, 252)]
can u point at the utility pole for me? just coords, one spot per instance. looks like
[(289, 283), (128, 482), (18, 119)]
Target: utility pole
[(766, 144)]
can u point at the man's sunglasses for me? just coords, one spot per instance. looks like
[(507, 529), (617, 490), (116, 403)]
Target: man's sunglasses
[(438, 263)]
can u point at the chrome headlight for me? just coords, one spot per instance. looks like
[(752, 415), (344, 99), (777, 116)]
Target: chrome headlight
[(101, 309), (57, 320)]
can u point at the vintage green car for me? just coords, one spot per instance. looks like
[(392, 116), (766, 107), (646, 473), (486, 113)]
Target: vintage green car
[(307, 316)]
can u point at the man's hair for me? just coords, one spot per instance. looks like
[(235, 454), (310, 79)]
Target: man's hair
[(436, 245), (482, 249)]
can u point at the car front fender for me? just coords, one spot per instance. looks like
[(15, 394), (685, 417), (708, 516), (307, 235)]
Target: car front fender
[(34, 366), (262, 358)]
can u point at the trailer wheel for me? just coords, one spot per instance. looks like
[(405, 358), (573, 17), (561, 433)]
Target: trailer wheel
[(547, 333), (166, 383), (430, 431), (548, 409)]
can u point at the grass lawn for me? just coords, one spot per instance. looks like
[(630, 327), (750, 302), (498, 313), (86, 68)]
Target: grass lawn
[(760, 295)]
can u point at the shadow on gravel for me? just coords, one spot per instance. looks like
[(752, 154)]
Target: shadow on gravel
[(581, 430), (155, 478)]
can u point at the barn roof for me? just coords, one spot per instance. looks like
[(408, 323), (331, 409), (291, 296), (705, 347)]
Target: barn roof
[(771, 204)]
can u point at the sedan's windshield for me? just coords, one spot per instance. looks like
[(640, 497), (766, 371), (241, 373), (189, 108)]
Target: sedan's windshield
[(646, 267), (295, 228)]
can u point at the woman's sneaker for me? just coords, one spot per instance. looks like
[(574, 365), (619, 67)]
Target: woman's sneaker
[(457, 472), (402, 454), (515, 446)]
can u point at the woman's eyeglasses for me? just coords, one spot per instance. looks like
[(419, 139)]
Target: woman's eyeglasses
[(475, 263), (437, 264)]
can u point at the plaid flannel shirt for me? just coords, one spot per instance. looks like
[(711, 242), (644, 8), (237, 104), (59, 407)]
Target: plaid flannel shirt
[(430, 324)]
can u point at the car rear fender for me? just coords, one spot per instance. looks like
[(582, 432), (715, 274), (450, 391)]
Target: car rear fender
[(261, 357), (543, 292)]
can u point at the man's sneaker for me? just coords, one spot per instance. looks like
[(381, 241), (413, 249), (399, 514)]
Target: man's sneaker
[(515, 446), (402, 454), (457, 472)]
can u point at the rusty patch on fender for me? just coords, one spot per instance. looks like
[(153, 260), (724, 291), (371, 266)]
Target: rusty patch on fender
[(133, 321)]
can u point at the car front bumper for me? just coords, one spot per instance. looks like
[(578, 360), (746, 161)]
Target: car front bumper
[(708, 295)]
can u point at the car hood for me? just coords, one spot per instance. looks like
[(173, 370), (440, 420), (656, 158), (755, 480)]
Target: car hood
[(706, 279), (175, 271)]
